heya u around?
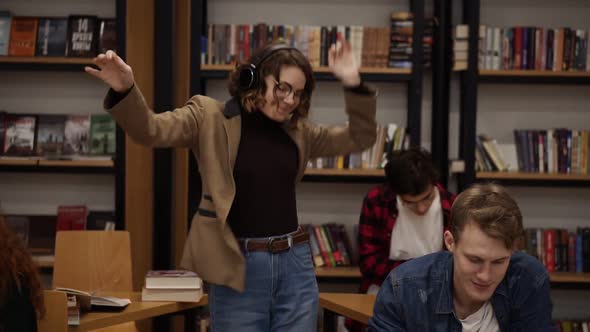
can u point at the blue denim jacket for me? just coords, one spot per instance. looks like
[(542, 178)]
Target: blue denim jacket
[(418, 296)]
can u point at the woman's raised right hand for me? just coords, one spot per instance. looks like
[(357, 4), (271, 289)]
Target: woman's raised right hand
[(113, 71)]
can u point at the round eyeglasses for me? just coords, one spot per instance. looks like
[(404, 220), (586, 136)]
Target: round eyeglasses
[(282, 90)]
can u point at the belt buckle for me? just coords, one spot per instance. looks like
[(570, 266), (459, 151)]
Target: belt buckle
[(270, 247)]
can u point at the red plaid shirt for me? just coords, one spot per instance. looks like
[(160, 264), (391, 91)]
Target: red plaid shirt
[(377, 219)]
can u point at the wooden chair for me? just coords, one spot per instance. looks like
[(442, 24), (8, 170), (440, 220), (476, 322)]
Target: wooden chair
[(94, 261), (56, 313)]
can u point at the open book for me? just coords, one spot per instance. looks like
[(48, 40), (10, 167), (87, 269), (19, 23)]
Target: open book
[(90, 301)]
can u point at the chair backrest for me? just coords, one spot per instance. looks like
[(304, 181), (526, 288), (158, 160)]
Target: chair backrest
[(56, 312), (93, 260)]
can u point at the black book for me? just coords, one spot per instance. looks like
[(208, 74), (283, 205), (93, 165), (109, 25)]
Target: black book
[(82, 36), (52, 37), (107, 35), (2, 130)]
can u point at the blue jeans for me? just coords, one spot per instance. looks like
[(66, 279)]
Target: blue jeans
[(281, 294)]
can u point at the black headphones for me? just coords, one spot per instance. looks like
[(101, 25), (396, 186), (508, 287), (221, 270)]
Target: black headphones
[(249, 73)]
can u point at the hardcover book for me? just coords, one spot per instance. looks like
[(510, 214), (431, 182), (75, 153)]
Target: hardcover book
[(172, 279), (23, 34), (2, 130), (52, 37), (50, 135), (71, 217), (4, 31), (77, 131), (19, 137), (102, 134), (107, 36), (82, 36)]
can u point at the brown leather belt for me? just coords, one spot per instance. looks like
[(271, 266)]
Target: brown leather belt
[(276, 244)]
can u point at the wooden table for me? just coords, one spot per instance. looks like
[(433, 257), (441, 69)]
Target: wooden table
[(356, 306), (138, 310)]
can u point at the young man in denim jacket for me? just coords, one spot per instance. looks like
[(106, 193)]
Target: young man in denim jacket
[(481, 284)]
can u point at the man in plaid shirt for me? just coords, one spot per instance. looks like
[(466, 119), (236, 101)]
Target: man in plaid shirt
[(402, 219)]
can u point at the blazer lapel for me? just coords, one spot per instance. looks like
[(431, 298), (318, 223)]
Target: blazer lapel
[(233, 129)]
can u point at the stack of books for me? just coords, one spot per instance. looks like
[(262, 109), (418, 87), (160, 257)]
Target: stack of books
[(172, 285)]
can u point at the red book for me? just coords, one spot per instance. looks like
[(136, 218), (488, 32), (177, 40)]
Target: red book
[(71, 217), (550, 250)]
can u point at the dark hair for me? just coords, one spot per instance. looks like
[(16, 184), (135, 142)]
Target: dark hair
[(252, 99), (410, 172), (491, 208), (18, 268)]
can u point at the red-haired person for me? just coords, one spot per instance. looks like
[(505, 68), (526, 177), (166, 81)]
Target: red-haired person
[(21, 294)]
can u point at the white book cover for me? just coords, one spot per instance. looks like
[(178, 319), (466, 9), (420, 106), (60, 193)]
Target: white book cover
[(174, 295), (172, 279)]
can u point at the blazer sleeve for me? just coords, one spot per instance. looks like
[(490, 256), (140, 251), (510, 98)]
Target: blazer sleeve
[(358, 135), (176, 128)]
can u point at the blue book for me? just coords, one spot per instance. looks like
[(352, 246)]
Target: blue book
[(4, 31), (579, 254)]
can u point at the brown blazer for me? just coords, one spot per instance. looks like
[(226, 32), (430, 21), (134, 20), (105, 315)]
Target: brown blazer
[(211, 129)]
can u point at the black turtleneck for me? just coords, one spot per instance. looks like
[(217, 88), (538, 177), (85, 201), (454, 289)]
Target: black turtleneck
[(264, 173)]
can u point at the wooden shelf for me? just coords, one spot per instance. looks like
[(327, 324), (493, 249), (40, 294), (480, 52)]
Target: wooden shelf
[(77, 163), (338, 272), (322, 73), (363, 70), (532, 176), (569, 277), (44, 261), (534, 77), (351, 272), (46, 60), (345, 172), (18, 162), (57, 166), (534, 73)]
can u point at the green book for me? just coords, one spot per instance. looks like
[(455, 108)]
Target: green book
[(102, 134)]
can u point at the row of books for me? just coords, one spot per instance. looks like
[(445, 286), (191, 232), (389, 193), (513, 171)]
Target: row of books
[(57, 136), (38, 231), (556, 150), (560, 249), (330, 245), (460, 46), (73, 36), (402, 32), (390, 137), (533, 48), (567, 325), (379, 47)]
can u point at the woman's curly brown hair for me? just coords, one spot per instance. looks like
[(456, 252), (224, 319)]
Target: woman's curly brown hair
[(18, 268), (253, 99)]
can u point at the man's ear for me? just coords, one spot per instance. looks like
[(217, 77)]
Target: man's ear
[(449, 241)]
